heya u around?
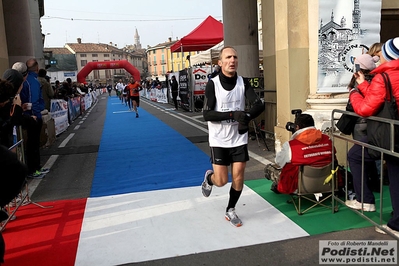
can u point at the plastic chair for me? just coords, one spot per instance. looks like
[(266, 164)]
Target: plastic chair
[(312, 181)]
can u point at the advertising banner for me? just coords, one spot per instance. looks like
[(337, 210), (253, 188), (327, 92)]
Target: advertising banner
[(59, 112), (184, 92), (161, 95), (347, 29), (201, 76), (88, 101), (74, 108)]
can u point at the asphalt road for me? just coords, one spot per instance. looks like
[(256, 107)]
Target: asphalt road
[(72, 159)]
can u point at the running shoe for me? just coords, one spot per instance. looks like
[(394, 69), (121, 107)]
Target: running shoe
[(137, 115), (206, 188), (233, 218), (36, 175), (44, 170)]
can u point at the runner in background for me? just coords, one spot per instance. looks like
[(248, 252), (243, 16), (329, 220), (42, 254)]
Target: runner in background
[(133, 89)]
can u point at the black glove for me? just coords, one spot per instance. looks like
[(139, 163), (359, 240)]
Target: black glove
[(242, 117), (242, 128)]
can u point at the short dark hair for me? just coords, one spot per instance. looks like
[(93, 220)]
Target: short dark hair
[(42, 73), (6, 90), (304, 120)]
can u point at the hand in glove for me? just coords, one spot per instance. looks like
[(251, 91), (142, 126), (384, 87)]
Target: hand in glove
[(243, 120), (242, 117), (242, 128)]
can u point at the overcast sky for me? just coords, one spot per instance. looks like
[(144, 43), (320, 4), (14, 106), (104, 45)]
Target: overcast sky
[(104, 21)]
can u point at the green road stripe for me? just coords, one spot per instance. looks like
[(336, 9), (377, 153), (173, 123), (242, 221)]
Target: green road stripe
[(320, 220)]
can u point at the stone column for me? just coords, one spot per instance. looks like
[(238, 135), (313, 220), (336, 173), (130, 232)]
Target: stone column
[(269, 64), (4, 64), (22, 25), (241, 31), (292, 42)]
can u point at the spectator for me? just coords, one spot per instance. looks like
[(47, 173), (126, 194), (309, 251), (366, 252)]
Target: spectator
[(375, 50), (47, 91), (32, 102), (366, 101), (11, 113), (155, 83), (306, 140), (56, 86), (69, 89), (13, 173), (62, 92), (175, 90), (367, 63), (8, 111)]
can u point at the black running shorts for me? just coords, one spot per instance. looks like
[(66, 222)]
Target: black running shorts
[(137, 99), (226, 156)]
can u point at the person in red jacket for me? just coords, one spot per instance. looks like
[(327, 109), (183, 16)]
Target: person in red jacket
[(307, 146), (366, 101)]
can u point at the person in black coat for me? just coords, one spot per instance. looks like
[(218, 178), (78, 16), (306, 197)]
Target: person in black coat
[(175, 90), (13, 174)]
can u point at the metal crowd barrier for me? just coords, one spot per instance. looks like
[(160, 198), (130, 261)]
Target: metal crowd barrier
[(336, 134)]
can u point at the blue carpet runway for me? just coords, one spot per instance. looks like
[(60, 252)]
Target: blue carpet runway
[(143, 154)]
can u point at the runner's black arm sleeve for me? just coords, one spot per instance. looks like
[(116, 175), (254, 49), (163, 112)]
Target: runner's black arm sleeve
[(209, 105), (257, 106)]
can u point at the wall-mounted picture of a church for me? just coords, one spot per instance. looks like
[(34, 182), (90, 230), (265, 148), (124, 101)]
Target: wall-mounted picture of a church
[(335, 38)]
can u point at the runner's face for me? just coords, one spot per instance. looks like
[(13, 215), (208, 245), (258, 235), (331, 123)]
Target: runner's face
[(228, 62)]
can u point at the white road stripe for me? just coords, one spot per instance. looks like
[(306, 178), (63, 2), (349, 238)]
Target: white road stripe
[(119, 112), (64, 143)]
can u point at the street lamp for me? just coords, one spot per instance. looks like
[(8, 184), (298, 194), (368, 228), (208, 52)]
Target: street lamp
[(44, 37)]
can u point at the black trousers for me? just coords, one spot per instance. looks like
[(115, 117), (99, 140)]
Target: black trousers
[(33, 145), (174, 97)]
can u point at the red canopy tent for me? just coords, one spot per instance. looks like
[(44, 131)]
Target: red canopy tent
[(204, 36)]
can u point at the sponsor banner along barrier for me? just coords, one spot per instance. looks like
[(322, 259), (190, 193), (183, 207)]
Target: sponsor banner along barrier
[(59, 112)]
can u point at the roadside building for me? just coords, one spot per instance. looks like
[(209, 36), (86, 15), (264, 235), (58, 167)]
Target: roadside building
[(161, 60), (60, 64)]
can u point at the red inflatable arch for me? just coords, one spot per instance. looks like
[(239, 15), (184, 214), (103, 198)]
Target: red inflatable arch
[(107, 65)]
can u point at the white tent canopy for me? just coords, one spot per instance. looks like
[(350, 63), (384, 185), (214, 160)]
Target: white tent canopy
[(208, 56)]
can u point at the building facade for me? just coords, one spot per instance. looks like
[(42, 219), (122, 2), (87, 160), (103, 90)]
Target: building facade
[(161, 60), (98, 52)]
